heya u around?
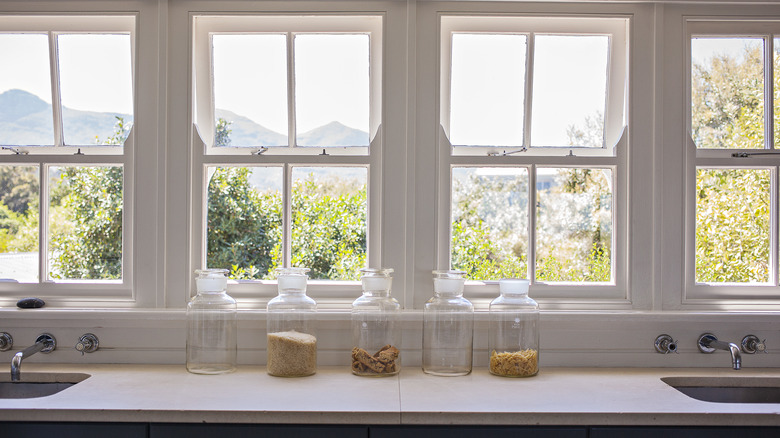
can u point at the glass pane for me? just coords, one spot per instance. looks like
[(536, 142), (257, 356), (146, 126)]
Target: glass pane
[(97, 88), (250, 90), (490, 222), (329, 225), (487, 89), (732, 225), (245, 221), (332, 90), (85, 222), (570, 90), (19, 206), (574, 225), (727, 93), (25, 90)]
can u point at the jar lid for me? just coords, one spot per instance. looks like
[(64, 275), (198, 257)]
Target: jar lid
[(376, 279), (211, 280), (292, 278), (448, 282), (513, 286)]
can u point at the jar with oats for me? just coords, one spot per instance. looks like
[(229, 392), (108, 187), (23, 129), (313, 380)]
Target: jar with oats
[(513, 333), (292, 342), (376, 327)]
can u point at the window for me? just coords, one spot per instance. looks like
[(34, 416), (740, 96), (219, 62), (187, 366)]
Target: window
[(732, 162), (65, 132), (533, 116), (288, 115)]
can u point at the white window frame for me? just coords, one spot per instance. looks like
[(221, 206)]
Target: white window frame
[(78, 293), (613, 156), (204, 154), (735, 295)]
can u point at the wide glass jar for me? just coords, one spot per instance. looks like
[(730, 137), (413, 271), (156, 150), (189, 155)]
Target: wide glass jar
[(211, 325), (375, 327), (292, 340), (448, 327), (513, 333)]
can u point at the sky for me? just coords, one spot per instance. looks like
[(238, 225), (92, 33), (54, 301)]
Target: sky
[(94, 70)]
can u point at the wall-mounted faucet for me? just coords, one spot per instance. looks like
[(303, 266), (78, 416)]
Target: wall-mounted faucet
[(44, 344), (708, 343)]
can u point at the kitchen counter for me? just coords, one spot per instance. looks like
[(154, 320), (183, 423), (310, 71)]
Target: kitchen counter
[(557, 396)]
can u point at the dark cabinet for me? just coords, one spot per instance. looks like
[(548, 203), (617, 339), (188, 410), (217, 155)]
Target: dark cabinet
[(684, 432), (74, 430), (254, 431), (476, 432)]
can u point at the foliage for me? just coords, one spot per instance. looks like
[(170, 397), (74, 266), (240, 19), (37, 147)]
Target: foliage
[(222, 133), (244, 226), (19, 187)]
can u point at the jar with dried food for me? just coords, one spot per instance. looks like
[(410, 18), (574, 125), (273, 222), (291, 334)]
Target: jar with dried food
[(292, 341), (513, 334), (375, 327)]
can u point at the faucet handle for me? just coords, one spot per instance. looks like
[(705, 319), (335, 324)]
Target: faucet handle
[(751, 344), (6, 341), (49, 343), (87, 343), (664, 344)]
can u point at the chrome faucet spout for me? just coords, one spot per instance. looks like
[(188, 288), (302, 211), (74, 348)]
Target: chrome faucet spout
[(708, 343), (44, 344)]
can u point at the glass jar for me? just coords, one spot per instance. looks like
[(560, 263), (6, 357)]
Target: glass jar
[(292, 341), (448, 327), (211, 325), (513, 333), (375, 327)]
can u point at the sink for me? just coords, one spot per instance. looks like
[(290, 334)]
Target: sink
[(34, 385), (728, 389)]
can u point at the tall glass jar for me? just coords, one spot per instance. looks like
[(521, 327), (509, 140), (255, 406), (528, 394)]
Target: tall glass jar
[(513, 334), (292, 341), (375, 327), (211, 325), (448, 327)]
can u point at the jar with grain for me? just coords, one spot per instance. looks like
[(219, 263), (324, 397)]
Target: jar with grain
[(513, 333), (448, 327), (376, 327), (211, 325), (292, 341)]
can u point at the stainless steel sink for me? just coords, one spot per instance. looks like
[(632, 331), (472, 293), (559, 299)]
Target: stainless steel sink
[(35, 385), (728, 389)]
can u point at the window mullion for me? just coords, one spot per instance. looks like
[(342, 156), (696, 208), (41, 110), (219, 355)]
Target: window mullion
[(531, 262), (774, 223), (292, 140), (529, 82), (287, 216), (769, 93), (56, 101), (43, 221)]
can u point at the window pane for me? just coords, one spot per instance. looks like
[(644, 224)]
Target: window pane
[(19, 204), (329, 225), (570, 90), (332, 90), (85, 222), (727, 93), (245, 221), (25, 90), (490, 222), (732, 225), (250, 90), (97, 88), (487, 89), (574, 225)]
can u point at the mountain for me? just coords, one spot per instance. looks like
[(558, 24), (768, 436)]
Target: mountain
[(25, 119), (245, 132), (333, 134)]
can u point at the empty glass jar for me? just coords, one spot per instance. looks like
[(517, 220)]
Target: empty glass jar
[(292, 341), (375, 327), (211, 325), (513, 333), (448, 327)]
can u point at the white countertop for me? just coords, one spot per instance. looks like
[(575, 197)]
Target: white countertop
[(557, 396)]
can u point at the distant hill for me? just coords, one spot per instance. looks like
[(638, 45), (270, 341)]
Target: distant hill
[(25, 119)]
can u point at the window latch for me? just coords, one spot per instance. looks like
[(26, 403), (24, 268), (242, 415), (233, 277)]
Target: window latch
[(16, 151), (505, 153), (260, 151)]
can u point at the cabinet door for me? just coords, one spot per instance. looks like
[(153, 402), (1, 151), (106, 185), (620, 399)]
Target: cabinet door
[(74, 430), (476, 431), (684, 432), (254, 431)]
